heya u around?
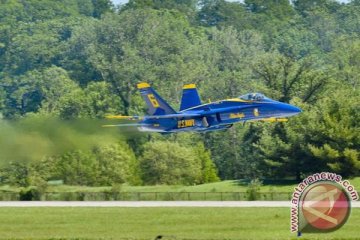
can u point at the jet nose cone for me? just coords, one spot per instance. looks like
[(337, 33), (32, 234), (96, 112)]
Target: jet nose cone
[(292, 110), (296, 109)]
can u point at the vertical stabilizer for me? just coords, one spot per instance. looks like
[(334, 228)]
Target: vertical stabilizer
[(157, 105), (190, 97)]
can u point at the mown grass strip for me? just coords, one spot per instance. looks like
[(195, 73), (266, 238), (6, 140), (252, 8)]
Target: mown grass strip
[(147, 223)]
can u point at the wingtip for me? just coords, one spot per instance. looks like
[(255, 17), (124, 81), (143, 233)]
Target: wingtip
[(142, 85), (189, 86)]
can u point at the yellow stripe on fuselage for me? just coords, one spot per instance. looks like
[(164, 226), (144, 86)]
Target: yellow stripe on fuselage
[(236, 100), (236, 115)]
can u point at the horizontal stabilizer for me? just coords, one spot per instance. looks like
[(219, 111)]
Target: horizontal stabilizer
[(190, 97), (124, 117), (127, 125)]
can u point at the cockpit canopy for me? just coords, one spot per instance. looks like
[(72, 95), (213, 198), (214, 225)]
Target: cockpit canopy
[(253, 97)]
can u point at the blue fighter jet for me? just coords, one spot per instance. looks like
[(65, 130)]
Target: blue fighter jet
[(199, 117)]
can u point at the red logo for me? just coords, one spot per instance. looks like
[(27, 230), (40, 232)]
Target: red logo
[(325, 206)]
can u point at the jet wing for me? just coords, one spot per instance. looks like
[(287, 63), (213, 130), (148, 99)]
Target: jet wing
[(189, 114), (210, 111), (199, 113), (176, 115)]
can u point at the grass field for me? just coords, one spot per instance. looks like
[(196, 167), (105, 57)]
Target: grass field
[(223, 186), (147, 223)]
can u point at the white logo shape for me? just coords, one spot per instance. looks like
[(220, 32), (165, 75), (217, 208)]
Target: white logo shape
[(308, 205)]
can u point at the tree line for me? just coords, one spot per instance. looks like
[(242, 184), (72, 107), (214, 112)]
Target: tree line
[(82, 59)]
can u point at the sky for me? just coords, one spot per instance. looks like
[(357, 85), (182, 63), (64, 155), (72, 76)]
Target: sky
[(116, 2), (125, 1)]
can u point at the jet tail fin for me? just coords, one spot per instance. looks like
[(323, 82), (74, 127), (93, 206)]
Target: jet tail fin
[(157, 105), (190, 97)]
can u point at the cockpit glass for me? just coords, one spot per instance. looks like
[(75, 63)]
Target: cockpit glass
[(252, 97)]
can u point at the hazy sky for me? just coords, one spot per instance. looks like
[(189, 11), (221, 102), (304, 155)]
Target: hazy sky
[(125, 1)]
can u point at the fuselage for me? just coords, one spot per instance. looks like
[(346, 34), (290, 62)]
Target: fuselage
[(222, 114)]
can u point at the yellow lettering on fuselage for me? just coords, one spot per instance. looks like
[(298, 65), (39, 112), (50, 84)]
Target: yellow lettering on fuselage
[(153, 100), (237, 115), (186, 123)]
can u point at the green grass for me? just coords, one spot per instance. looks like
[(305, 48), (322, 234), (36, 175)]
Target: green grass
[(223, 186), (146, 223)]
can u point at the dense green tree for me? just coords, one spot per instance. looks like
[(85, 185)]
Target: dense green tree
[(35, 89), (346, 59), (286, 77), (324, 25), (270, 17), (347, 17), (101, 99), (116, 164), (221, 13), (306, 6), (165, 162), (225, 151), (234, 153), (231, 75), (74, 105), (283, 153), (77, 168), (95, 101), (101, 7), (335, 139), (15, 174), (37, 45), (104, 165), (154, 46), (208, 169), (187, 7), (323, 138), (296, 41), (74, 58), (280, 9), (42, 10), (54, 85)]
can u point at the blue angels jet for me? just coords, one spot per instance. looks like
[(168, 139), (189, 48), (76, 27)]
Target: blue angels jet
[(199, 117)]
